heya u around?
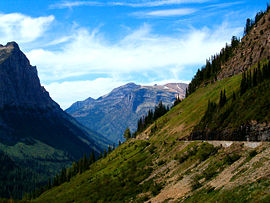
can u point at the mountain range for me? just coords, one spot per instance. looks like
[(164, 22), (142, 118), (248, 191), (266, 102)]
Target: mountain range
[(112, 113)]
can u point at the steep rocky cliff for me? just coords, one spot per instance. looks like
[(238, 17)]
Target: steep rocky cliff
[(19, 84), (254, 47), (36, 136), (27, 111)]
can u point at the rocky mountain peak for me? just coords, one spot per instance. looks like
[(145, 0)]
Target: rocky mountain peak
[(110, 114), (19, 82), (13, 45)]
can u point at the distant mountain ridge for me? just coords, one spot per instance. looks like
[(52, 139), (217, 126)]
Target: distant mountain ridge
[(112, 113)]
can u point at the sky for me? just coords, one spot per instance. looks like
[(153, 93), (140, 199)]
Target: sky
[(86, 48)]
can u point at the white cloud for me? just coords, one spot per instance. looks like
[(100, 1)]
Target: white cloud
[(139, 54), (140, 51), (21, 28), (156, 3), (66, 93), (71, 4), (165, 13), (136, 3)]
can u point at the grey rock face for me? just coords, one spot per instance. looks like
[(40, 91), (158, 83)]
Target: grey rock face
[(111, 114), (19, 84), (28, 112)]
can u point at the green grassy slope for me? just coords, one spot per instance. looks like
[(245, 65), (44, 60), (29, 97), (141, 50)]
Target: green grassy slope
[(146, 167)]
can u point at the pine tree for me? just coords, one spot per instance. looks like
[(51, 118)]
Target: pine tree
[(249, 80), (127, 134), (100, 155), (254, 79), (234, 96), (248, 26), (243, 85), (224, 97), (186, 93), (92, 158), (84, 163), (259, 74), (49, 185), (109, 149), (68, 174), (104, 153), (221, 99)]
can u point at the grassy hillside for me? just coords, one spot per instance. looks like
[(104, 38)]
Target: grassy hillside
[(160, 165), (157, 166)]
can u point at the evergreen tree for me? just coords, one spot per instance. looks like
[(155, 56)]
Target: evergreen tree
[(69, 175), (234, 96), (186, 93), (92, 158), (84, 163), (243, 86), (248, 26), (109, 149), (127, 134), (221, 99), (224, 97), (254, 79), (100, 155), (104, 153), (49, 185), (177, 101)]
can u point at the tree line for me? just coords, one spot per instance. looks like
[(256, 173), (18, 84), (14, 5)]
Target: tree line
[(85, 163), (209, 72), (251, 22), (66, 174), (217, 117), (212, 67), (252, 78), (149, 118)]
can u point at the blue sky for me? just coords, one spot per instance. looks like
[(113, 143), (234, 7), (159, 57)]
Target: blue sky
[(86, 48)]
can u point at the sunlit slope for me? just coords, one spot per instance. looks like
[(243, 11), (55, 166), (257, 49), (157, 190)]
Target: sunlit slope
[(134, 170)]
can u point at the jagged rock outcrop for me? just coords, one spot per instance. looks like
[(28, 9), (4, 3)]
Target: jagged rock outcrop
[(254, 47), (111, 114)]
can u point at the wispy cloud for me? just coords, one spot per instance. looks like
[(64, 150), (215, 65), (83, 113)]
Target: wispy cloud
[(141, 50), (71, 4), (224, 5), (165, 13), (156, 3), (139, 54), (21, 28), (140, 3)]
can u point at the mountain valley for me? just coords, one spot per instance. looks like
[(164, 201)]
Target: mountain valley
[(212, 145), (183, 156)]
